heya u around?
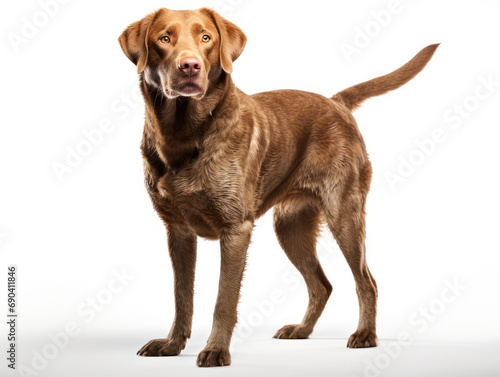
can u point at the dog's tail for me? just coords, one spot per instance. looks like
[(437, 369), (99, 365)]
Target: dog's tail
[(353, 97)]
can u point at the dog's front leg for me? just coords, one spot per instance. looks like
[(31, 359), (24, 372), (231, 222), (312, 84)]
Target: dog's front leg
[(182, 249), (234, 244)]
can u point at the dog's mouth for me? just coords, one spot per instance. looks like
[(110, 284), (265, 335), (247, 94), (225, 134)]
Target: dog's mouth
[(190, 89), (186, 87)]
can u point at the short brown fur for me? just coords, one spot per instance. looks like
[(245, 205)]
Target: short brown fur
[(216, 159)]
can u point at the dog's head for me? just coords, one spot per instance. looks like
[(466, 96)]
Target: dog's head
[(180, 52)]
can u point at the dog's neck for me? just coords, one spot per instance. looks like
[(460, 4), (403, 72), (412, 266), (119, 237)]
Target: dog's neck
[(175, 129)]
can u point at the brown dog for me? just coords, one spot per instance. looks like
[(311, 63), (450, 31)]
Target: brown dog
[(216, 159)]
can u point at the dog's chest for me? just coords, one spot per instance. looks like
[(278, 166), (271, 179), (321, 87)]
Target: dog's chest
[(206, 193)]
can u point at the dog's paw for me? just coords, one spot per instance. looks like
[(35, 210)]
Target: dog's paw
[(363, 339), (213, 358), (292, 332), (161, 347)]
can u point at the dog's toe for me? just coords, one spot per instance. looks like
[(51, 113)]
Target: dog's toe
[(363, 339), (292, 332), (160, 347), (214, 358)]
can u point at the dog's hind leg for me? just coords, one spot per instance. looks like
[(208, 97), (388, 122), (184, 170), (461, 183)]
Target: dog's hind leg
[(344, 207), (296, 222)]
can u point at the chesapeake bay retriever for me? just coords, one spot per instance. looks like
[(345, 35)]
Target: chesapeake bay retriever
[(216, 159)]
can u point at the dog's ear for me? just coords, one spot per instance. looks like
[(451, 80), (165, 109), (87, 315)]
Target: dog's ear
[(134, 41), (232, 40)]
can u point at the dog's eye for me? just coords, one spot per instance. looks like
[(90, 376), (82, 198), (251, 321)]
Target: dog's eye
[(165, 39), (205, 38)]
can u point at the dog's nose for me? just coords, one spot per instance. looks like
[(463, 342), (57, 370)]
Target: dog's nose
[(190, 66)]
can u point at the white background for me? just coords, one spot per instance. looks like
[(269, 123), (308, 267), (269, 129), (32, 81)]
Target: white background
[(438, 227)]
